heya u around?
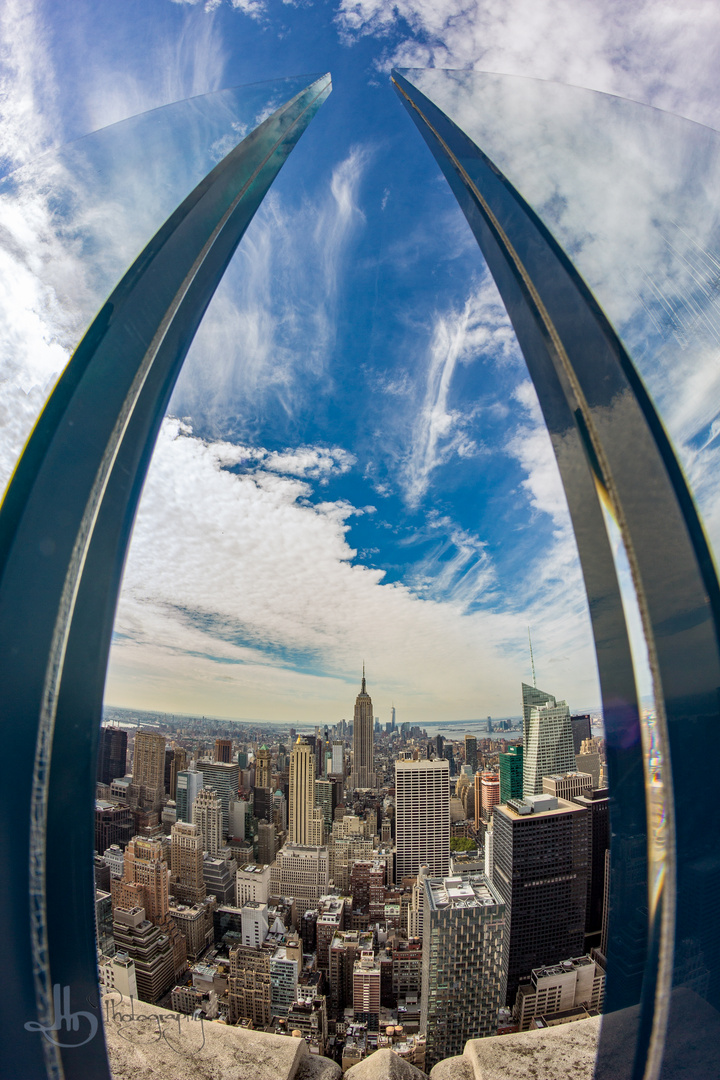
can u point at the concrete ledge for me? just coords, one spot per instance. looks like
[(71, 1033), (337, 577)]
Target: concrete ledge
[(455, 1068), (384, 1065), (565, 1052), (313, 1067), (148, 1043)]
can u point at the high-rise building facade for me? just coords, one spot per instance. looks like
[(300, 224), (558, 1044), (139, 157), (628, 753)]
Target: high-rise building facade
[(144, 866), (547, 739), (366, 990), (151, 949), (463, 983), (363, 767), (540, 869), (422, 817), (511, 774), (177, 765), (581, 730), (223, 778), (489, 793), (471, 755), (597, 804), (189, 782), (186, 863), (301, 872), (113, 825), (223, 750), (338, 758), (262, 767), (554, 989), (112, 754), (305, 819), (567, 785), (267, 842), (207, 816), (250, 991), (147, 790)]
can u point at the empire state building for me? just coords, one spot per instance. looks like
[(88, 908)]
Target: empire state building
[(363, 772)]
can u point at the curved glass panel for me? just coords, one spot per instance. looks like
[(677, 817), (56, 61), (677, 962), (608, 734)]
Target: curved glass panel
[(65, 525), (632, 195), (566, 189), (73, 220)]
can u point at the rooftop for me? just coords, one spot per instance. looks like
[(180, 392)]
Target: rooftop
[(537, 806), (461, 891)]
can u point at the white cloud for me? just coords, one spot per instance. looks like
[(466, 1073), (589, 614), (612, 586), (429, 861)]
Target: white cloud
[(28, 119), (480, 329), (233, 579), (655, 50), (270, 328)]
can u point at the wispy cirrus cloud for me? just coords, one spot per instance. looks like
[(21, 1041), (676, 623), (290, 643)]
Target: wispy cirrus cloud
[(443, 430), (268, 334), (28, 121)]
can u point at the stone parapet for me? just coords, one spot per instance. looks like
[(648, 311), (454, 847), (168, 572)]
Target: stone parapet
[(146, 1042), (565, 1052)]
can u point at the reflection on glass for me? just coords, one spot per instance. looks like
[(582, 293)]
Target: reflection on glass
[(632, 196), (73, 220)]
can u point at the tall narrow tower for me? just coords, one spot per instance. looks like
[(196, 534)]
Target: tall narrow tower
[(363, 772), (422, 817), (262, 767), (207, 814), (147, 790), (305, 820)]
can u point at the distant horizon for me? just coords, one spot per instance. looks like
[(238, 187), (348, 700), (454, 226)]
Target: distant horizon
[(594, 711)]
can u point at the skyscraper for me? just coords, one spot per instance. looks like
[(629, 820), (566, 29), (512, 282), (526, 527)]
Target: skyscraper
[(144, 866), (422, 817), (489, 794), (112, 754), (207, 815), (567, 785), (262, 768), (223, 778), (179, 763), (540, 869), (223, 750), (463, 982), (147, 790), (301, 872), (363, 773), (471, 757), (305, 824), (189, 783), (581, 730), (186, 863), (511, 774), (597, 804), (547, 738)]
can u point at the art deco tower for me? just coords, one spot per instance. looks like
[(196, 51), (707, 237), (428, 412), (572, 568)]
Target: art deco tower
[(305, 819), (363, 772)]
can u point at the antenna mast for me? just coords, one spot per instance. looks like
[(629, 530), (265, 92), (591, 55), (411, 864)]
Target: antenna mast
[(532, 662)]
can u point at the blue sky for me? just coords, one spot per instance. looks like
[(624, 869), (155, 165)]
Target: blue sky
[(354, 466)]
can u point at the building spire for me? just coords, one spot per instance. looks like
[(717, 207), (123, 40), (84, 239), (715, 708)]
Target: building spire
[(532, 662), (362, 691)]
